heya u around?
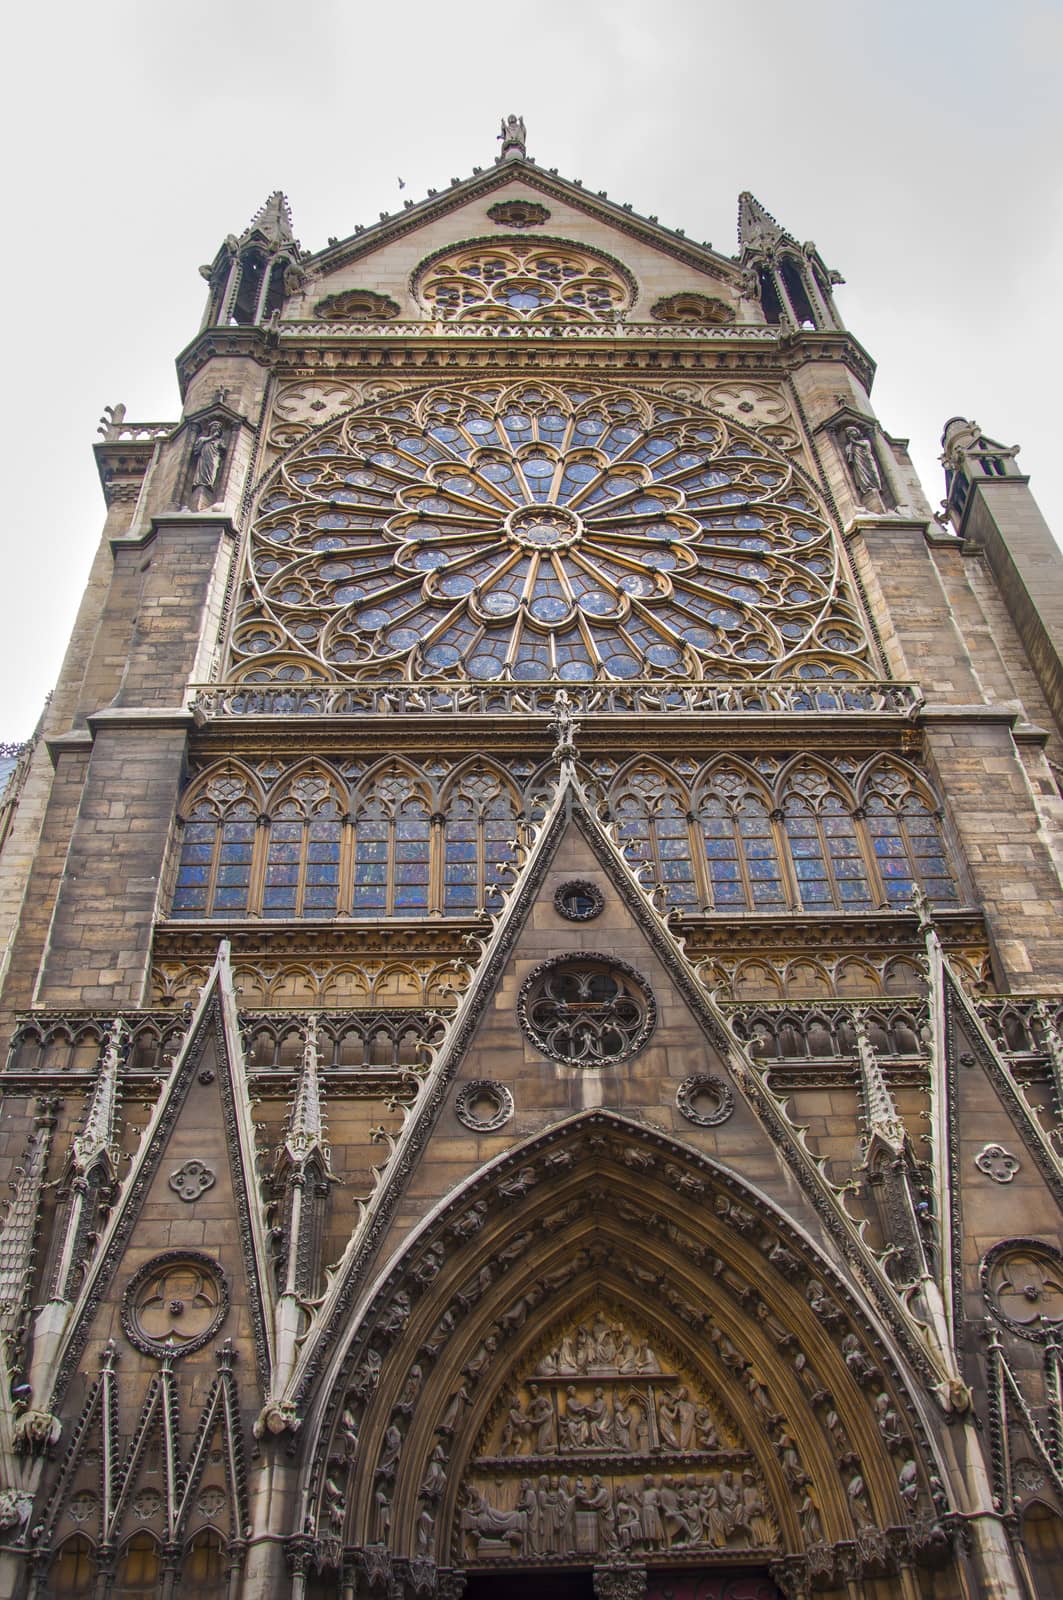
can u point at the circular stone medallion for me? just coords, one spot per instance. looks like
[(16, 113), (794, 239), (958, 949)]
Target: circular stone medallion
[(484, 1105), (1022, 1282), (544, 527), (579, 901), (175, 1303), (705, 1100), (587, 1010)]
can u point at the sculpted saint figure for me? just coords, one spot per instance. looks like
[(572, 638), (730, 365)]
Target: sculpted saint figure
[(652, 1527), (860, 457), (598, 1422), (541, 1418), (206, 456)]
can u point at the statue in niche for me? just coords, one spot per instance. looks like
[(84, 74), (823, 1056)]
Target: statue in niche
[(863, 467), (208, 450)]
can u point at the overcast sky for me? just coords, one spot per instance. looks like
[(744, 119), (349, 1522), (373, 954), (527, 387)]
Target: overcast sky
[(917, 143)]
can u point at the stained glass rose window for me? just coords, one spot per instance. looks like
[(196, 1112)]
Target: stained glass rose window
[(537, 532), (524, 280)]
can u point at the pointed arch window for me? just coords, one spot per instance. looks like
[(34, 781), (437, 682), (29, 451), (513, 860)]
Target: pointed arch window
[(740, 847), (909, 849), (478, 828), (139, 1569), (214, 870), (73, 1571), (392, 851), (829, 863), (303, 853), (653, 826), (205, 1566)]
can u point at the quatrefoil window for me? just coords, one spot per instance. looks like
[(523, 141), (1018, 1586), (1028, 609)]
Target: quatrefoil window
[(586, 1011)]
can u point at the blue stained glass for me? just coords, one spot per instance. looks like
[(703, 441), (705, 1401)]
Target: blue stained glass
[(193, 875)]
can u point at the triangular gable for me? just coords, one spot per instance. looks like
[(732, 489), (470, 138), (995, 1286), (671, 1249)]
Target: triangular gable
[(761, 1141), (203, 1115), (541, 184)]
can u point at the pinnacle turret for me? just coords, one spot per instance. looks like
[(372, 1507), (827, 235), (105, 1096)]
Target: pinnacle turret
[(306, 1120), (757, 228), (96, 1138), (272, 221)]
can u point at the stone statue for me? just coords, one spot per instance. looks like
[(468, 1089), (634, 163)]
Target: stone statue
[(207, 453), (863, 467), (514, 136)]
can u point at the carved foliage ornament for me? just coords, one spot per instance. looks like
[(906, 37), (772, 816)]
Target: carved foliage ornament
[(537, 532), (705, 1100), (692, 308), (587, 1010), (518, 214), (175, 1303), (1022, 1282), (357, 305), (484, 1105)]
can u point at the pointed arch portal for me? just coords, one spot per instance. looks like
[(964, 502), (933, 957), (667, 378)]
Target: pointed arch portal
[(606, 1350)]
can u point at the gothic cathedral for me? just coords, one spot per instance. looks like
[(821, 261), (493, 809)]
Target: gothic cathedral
[(532, 951)]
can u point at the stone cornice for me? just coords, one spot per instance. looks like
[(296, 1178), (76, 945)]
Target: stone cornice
[(178, 521)]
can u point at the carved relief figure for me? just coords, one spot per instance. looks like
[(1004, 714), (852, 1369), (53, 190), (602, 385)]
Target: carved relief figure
[(207, 452), (864, 468)]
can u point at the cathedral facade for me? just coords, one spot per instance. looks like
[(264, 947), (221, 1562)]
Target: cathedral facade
[(532, 944)]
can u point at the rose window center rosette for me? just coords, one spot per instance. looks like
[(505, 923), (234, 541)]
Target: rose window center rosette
[(536, 533)]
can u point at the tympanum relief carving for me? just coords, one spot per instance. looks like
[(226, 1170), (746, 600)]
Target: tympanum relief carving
[(606, 1444)]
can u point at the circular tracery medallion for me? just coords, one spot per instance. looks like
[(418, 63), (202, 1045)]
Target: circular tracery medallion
[(586, 1010), (1022, 1282), (530, 533), (175, 1303)]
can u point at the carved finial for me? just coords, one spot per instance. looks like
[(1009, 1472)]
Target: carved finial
[(306, 1122), (514, 139), (111, 421), (757, 228), (273, 220), (923, 909), (880, 1112), (97, 1138)]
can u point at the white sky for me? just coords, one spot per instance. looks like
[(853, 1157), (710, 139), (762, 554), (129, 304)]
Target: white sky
[(918, 143)]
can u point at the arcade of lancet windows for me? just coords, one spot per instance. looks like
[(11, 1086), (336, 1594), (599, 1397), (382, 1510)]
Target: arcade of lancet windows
[(718, 837), (538, 533)]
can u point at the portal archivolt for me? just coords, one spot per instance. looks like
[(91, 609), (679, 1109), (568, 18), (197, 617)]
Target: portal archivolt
[(604, 1348)]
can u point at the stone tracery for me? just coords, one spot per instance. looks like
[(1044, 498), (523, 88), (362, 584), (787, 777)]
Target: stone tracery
[(542, 532), (540, 280)]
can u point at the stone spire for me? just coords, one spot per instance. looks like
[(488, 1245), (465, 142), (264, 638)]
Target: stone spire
[(306, 1120), (757, 228), (272, 220), (18, 1235), (96, 1137), (881, 1120)]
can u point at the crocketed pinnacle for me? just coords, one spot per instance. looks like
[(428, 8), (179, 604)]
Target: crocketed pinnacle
[(880, 1113), (97, 1135), (272, 220), (757, 228), (18, 1235), (306, 1120)]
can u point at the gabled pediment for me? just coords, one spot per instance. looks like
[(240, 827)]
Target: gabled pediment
[(515, 203)]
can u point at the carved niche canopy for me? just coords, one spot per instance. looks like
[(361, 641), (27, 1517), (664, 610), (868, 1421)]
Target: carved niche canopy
[(689, 307), (518, 214), (606, 1444), (539, 532), (357, 305)]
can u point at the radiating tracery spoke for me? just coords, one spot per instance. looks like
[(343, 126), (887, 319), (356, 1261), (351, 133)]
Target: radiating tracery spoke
[(538, 533)]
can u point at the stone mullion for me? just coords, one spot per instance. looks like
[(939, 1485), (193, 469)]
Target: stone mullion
[(699, 859), (259, 857), (345, 890), (303, 868), (437, 850), (875, 883), (787, 870)]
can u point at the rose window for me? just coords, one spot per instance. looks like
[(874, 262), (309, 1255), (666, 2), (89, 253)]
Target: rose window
[(531, 533), (586, 1011), (536, 281)]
